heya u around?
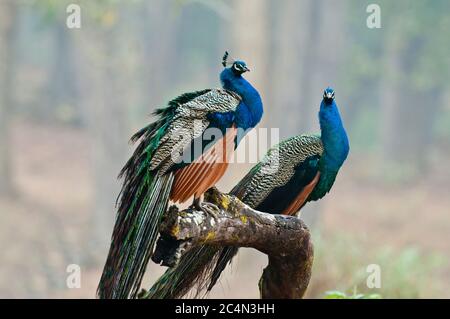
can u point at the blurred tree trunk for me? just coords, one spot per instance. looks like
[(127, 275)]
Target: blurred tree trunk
[(251, 38), (321, 54), (105, 92), (8, 26), (109, 136), (310, 64), (63, 90), (408, 112), (158, 57), (287, 52), (307, 57)]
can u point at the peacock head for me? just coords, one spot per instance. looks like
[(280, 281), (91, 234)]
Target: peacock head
[(328, 95), (238, 67)]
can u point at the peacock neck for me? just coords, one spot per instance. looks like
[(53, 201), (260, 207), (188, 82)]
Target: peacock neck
[(250, 96), (333, 135)]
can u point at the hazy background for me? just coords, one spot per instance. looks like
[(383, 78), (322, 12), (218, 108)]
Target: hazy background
[(71, 98)]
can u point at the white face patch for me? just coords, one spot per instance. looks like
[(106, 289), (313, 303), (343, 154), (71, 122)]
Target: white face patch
[(328, 95)]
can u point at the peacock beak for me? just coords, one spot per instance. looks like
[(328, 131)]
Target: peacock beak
[(246, 69)]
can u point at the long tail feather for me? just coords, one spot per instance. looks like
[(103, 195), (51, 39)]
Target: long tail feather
[(225, 257), (192, 271), (133, 239), (141, 203), (200, 267)]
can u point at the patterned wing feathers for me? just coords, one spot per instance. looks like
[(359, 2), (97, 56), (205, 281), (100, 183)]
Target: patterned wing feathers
[(204, 172), (278, 167), (189, 123)]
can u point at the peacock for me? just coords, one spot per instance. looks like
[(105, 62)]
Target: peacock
[(180, 155), (300, 169)]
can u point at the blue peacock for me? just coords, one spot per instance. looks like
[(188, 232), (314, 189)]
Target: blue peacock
[(159, 170), (298, 170)]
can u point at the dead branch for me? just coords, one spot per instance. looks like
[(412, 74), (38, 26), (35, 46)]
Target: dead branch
[(229, 222)]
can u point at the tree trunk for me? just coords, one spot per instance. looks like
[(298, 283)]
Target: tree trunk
[(250, 34), (408, 112), (106, 98), (287, 53), (229, 222), (63, 79), (156, 63), (319, 58), (8, 15)]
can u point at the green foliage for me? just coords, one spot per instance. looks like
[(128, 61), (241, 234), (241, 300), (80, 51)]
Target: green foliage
[(340, 262), (336, 294), (415, 34), (419, 30), (103, 12)]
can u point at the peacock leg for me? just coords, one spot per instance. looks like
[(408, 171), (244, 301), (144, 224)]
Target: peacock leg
[(196, 204), (207, 208)]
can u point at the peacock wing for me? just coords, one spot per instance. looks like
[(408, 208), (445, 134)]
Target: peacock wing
[(188, 124), (295, 157)]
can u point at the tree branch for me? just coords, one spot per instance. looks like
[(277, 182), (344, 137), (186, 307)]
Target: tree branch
[(229, 222)]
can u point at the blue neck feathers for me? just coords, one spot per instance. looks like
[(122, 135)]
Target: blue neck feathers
[(250, 110), (333, 135)]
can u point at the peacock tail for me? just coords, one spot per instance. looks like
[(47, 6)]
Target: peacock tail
[(177, 282), (142, 201)]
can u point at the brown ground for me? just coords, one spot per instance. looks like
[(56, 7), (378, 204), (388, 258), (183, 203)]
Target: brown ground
[(44, 228)]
